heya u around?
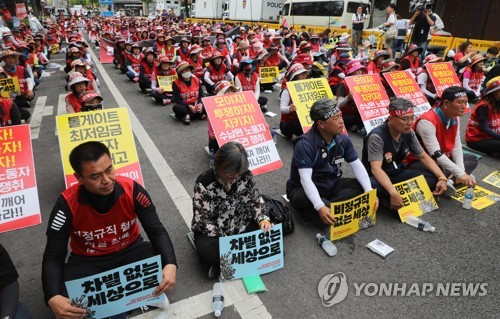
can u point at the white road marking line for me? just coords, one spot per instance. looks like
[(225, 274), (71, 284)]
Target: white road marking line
[(61, 107), (235, 291), (48, 110), (36, 117)]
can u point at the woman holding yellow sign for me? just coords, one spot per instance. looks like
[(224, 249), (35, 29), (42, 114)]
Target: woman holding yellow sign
[(163, 69)]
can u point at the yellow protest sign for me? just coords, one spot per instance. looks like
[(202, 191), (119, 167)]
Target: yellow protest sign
[(269, 74), (493, 179), (353, 214), (10, 87), (304, 93), (165, 82), (482, 197), (417, 198), (111, 127)]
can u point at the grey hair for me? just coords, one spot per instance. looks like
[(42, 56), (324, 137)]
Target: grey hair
[(231, 158), (400, 104), (323, 109)]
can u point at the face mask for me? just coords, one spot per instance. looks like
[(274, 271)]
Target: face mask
[(186, 75)]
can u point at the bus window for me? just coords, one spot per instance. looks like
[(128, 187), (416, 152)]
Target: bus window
[(286, 8), (315, 9), (353, 6)]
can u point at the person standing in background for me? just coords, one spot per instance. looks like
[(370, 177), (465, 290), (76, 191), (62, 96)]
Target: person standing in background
[(358, 23)]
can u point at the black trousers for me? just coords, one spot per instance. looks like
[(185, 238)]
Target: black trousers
[(23, 103), (489, 146), (79, 266), (181, 111), (345, 188), (291, 128), (159, 97), (208, 247)]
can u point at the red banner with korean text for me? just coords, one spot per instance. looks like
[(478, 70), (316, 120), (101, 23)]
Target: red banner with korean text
[(21, 12), (370, 98), (18, 191), (237, 117), (106, 51), (404, 86), (442, 75)]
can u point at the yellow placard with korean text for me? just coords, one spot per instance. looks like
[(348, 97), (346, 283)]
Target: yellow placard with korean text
[(353, 214), (269, 74), (417, 198), (493, 179), (165, 82), (111, 127), (10, 87), (482, 197), (304, 93)]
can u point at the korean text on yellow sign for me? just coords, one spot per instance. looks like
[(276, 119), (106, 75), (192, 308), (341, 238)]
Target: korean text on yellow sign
[(304, 93), (482, 197), (269, 74), (493, 179), (111, 127), (10, 87), (353, 214), (165, 82), (417, 198)]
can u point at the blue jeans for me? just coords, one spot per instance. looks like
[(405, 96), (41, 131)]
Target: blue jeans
[(22, 312)]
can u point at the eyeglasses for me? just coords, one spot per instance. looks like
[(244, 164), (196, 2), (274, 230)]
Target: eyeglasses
[(407, 119)]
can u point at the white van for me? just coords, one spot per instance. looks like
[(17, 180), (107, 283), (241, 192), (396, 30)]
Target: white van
[(324, 13)]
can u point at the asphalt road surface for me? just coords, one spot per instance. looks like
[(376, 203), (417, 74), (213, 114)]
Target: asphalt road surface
[(464, 249)]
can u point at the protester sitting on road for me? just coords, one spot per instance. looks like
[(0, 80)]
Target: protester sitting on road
[(375, 65), (223, 87), (99, 201), (385, 148), (133, 63), (492, 59), (164, 68), (81, 67), (275, 58), (220, 45), (169, 48), (77, 85), (248, 80), (196, 61), (337, 73), (411, 61), (148, 64), (215, 72), (91, 101), (316, 175), (74, 53), (183, 50), (350, 113), (9, 111), (241, 51), (472, 77), (425, 81), (439, 133), (289, 121), (187, 92), (464, 54), (483, 128), (13, 69), (226, 202), (118, 53), (10, 307)]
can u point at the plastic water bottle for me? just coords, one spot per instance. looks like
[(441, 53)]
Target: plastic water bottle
[(420, 224), (469, 195), (212, 156), (218, 299), (327, 245), (164, 306), (273, 134)]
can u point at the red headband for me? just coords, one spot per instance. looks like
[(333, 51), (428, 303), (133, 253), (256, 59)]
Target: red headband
[(401, 112)]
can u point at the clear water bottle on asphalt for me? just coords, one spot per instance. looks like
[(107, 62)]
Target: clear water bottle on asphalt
[(327, 245), (218, 299), (469, 196), (420, 224), (212, 156)]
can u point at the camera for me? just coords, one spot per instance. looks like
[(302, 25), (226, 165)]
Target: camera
[(420, 5)]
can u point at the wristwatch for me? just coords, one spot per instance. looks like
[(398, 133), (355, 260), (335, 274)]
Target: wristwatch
[(437, 154)]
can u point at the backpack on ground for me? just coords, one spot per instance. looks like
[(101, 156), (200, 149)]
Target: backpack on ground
[(279, 213)]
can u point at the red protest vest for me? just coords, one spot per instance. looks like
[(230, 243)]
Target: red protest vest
[(169, 52), (413, 66), (475, 78), (290, 117), (135, 62), (372, 66), (20, 76), (159, 72), (473, 132), (445, 137), (197, 65), (189, 94), (349, 108), (252, 53), (217, 75), (148, 69), (74, 101), (224, 52), (207, 51), (160, 47), (6, 105), (95, 234), (31, 60), (184, 56), (273, 59), (247, 85)]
